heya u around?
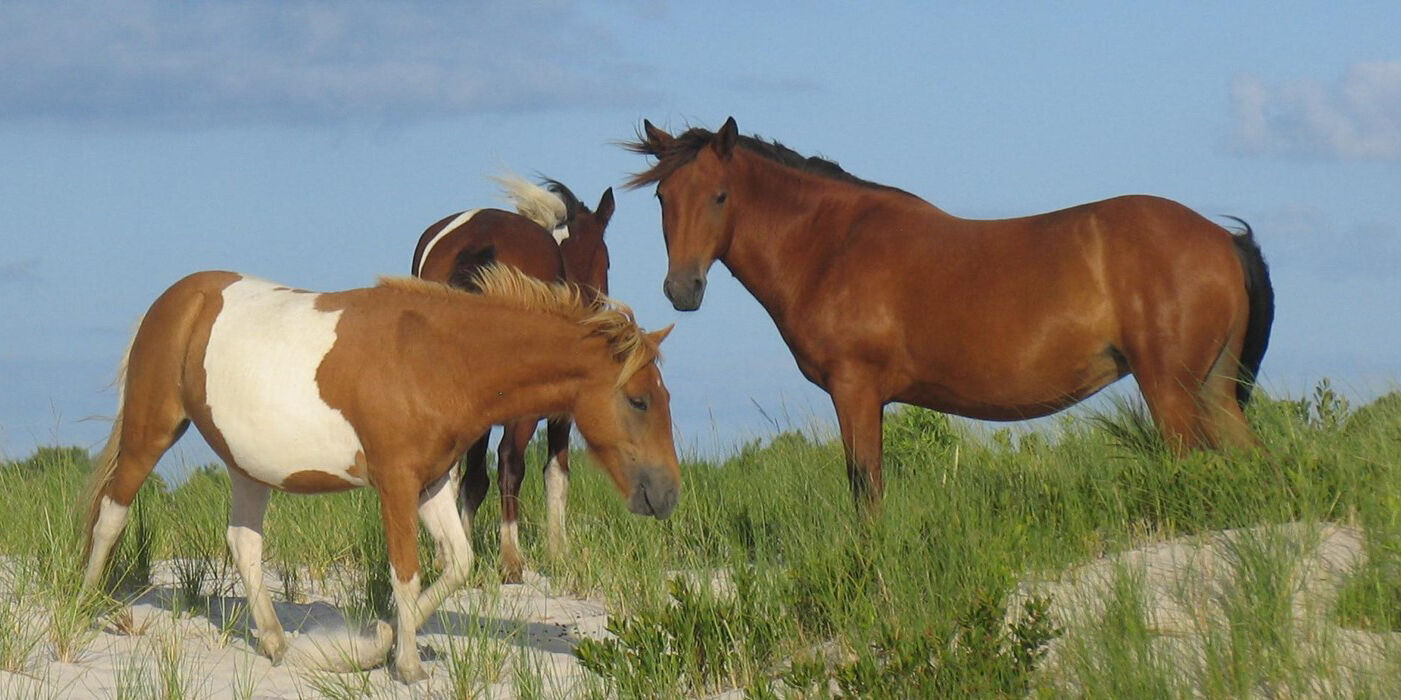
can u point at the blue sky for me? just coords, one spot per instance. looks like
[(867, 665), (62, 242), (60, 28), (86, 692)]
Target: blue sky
[(311, 143)]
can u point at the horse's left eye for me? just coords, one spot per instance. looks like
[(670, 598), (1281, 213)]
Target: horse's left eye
[(638, 403), (720, 198)]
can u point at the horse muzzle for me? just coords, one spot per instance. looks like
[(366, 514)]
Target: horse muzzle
[(654, 497), (685, 290)]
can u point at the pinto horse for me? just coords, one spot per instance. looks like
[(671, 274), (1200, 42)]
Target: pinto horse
[(386, 386), (883, 297), (553, 237)]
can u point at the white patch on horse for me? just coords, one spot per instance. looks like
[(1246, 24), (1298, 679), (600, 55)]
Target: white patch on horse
[(510, 536), (556, 491), (260, 382), (556, 494), (561, 233), (111, 518), (452, 226)]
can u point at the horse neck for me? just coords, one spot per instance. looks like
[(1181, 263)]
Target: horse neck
[(544, 363), (579, 258), (769, 238)]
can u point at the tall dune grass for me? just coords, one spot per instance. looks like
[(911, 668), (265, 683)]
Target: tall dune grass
[(816, 598)]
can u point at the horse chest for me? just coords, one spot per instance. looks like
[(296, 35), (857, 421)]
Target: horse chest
[(260, 384)]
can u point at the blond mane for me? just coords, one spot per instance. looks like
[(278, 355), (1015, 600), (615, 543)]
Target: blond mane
[(603, 316)]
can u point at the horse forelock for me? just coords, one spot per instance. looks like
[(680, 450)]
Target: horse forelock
[(600, 315)]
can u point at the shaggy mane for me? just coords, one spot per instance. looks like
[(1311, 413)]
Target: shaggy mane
[(603, 316)]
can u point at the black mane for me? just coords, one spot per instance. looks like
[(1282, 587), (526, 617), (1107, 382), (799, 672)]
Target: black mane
[(683, 149), (572, 205)]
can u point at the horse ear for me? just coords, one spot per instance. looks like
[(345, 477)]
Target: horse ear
[(724, 142), (658, 336), (656, 138), (604, 211)]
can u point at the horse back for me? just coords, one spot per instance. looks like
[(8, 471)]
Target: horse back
[(1025, 312), (456, 247)]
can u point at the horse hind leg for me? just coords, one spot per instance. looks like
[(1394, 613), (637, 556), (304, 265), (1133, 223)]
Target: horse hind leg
[(557, 488), (150, 418), (1223, 418), (510, 471), (249, 502), (1173, 399)]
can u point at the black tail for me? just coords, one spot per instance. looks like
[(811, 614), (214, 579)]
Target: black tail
[(1262, 309)]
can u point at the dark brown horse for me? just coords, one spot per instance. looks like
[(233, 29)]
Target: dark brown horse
[(554, 237), (883, 297)]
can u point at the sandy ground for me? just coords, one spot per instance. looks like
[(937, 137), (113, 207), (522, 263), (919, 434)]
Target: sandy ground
[(526, 624), (1185, 583)]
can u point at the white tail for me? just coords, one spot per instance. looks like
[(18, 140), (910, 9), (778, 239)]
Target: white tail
[(533, 201)]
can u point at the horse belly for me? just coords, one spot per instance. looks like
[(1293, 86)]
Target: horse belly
[(1006, 384), (260, 384)]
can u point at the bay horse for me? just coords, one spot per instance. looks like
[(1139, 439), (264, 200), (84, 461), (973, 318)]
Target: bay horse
[(883, 297), (552, 236), (383, 386)]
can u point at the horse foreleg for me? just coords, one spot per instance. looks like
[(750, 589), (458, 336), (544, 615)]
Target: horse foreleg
[(449, 533), (859, 417), (510, 470), (249, 501), (557, 488), (398, 500)]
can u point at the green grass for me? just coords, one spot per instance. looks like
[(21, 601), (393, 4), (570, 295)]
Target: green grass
[(916, 602)]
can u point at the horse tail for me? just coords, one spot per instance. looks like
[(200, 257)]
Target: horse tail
[(1261, 316), (105, 467), (534, 202)]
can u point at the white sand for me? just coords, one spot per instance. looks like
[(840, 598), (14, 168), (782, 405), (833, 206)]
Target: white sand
[(1185, 584), (216, 653)]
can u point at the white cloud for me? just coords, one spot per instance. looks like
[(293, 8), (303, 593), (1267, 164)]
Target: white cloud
[(201, 64), (1359, 117)]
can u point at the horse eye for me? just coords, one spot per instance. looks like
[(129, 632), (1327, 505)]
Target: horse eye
[(720, 198), (638, 403)]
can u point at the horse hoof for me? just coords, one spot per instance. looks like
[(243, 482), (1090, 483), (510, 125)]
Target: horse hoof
[(411, 675), (384, 636), (275, 653), (512, 572)]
